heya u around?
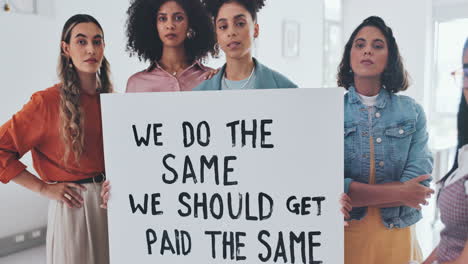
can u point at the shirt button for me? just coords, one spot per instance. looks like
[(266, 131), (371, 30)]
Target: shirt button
[(364, 134), (381, 164), (377, 114), (401, 131), (379, 140)]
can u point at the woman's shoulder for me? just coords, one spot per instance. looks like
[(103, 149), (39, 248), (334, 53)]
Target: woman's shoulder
[(136, 79), (280, 79), (405, 102), (42, 102), (49, 95), (140, 75), (211, 84), (404, 99)]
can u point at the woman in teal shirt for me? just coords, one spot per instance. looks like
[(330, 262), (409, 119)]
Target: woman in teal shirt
[(236, 28)]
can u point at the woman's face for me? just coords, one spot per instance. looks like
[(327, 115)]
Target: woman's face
[(369, 53), (235, 30), (172, 24), (86, 47)]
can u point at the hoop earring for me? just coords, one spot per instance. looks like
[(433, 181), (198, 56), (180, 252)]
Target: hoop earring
[(70, 63), (191, 33)]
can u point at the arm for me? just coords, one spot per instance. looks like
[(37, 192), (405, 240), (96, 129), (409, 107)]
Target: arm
[(392, 204), (373, 191), (420, 159), (29, 181), (409, 193), (363, 194), (19, 135), (388, 205), (391, 194), (59, 191)]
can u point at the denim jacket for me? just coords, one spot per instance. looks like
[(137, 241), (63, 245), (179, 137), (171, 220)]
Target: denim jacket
[(398, 127)]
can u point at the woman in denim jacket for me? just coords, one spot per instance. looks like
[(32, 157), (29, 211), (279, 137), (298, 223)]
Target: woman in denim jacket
[(387, 160)]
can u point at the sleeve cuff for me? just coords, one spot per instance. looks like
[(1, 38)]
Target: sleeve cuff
[(347, 183), (12, 171)]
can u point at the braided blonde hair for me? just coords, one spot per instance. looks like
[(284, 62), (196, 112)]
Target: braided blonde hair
[(72, 119)]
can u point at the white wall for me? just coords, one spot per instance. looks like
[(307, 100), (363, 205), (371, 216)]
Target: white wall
[(26, 65), (306, 69), (411, 22), (450, 9), (30, 49)]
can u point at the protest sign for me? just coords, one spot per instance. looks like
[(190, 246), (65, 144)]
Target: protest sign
[(225, 177)]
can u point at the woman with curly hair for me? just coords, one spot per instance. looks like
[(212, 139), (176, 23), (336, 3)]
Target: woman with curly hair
[(62, 127), (174, 36), (236, 29), (387, 159), (453, 195)]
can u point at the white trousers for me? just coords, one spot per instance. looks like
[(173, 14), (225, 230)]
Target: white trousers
[(78, 235)]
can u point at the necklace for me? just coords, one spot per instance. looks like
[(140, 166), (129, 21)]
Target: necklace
[(164, 67), (243, 85)]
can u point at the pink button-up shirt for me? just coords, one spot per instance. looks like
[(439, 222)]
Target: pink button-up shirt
[(156, 79)]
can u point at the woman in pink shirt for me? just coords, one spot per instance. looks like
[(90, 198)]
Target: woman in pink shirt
[(174, 36)]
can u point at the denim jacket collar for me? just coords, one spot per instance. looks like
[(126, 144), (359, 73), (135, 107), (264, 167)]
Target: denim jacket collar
[(382, 98)]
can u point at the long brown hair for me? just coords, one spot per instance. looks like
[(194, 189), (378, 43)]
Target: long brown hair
[(72, 117)]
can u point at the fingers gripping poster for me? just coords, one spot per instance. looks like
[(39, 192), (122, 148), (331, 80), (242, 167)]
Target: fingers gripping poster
[(225, 177)]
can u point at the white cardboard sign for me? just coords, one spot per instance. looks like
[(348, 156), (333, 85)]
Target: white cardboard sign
[(225, 177)]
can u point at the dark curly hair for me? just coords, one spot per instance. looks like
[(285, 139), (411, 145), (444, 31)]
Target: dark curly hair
[(394, 78), (253, 6), (142, 33)]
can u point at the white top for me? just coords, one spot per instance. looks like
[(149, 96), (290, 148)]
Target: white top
[(462, 169), (368, 100), (239, 85)]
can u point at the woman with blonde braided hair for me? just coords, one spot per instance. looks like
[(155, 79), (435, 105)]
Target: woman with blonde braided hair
[(62, 127)]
